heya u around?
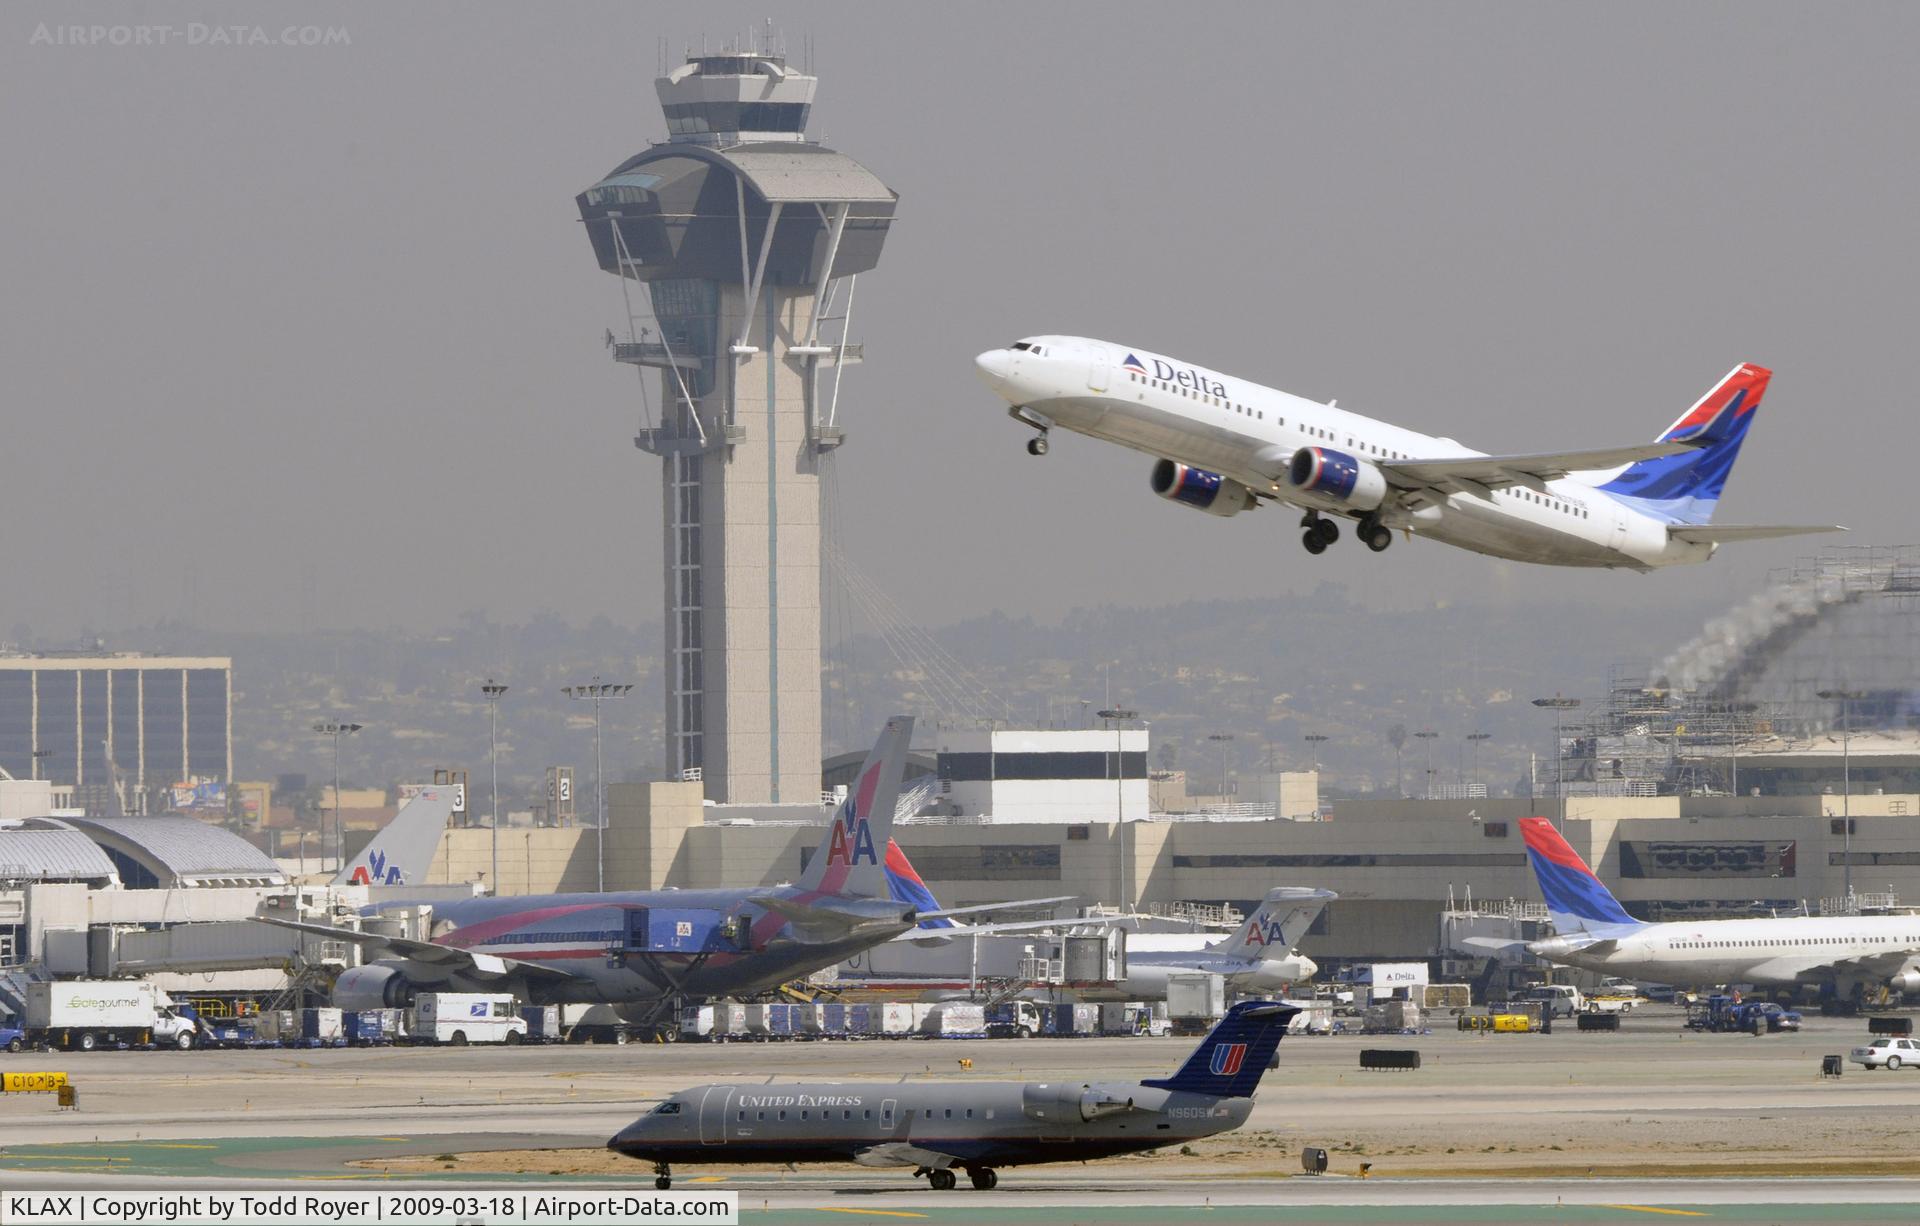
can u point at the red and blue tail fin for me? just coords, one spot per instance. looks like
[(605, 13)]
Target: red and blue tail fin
[(1230, 1060), (1684, 488), (904, 886), (1575, 897)]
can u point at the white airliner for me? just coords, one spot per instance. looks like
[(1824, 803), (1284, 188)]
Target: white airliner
[(1223, 445), (1843, 956)]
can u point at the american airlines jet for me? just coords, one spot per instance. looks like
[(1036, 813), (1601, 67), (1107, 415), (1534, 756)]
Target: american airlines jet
[(1223, 445), (1842, 955)]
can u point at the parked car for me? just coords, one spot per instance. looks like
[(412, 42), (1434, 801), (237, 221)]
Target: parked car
[(1888, 1051), (12, 1038)]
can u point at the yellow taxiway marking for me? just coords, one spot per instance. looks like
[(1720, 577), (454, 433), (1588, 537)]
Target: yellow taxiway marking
[(173, 1145), (389, 1138), (335, 1178), (872, 1212), (709, 1179), (61, 1158), (1655, 1209)]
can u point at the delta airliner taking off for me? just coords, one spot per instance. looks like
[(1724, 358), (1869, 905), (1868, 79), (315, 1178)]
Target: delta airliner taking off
[(1223, 445)]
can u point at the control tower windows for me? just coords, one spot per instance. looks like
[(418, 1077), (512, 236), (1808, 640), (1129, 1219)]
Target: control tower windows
[(689, 118)]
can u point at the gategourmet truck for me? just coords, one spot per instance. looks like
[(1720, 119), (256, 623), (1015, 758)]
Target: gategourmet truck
[(82, 1014), (460, 1018)]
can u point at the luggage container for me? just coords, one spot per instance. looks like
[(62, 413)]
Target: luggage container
[(759, 1021), (1195, 1001), (322, 1028), (370, 1027), (1118, 1018), (278, 1026), (809, 1021), (730, 1020), (697, 1022), (859, 1021), (543, 1023), (955, 1019), (895, 1020)]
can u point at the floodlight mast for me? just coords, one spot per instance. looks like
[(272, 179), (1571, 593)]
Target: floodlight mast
[(597, 692), (336, 729)]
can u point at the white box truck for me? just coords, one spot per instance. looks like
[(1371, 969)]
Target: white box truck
[(460, 1018), (82, 1014), (1195, 1001)]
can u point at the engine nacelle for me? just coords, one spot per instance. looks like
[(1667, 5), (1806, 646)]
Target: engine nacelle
[(372, 987), (1339, 476), (1906, 982), (1096, 1103), (1200, 489), (1069, 1103)]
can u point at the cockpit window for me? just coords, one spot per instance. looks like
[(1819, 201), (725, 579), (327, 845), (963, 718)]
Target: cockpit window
[(1021, 345), (667, 1109)]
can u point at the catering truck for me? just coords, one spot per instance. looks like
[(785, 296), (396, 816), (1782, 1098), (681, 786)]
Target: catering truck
[(83, 1014)]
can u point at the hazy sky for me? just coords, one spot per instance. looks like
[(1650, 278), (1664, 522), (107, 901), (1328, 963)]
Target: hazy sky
[(289, 321)]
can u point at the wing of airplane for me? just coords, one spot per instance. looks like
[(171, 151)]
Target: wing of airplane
[(1712, 534), (900, 1153), (1482, 474), (443, 956)]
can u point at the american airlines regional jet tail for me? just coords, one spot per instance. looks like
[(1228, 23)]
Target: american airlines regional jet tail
[(1223, 446), (1843, 956)]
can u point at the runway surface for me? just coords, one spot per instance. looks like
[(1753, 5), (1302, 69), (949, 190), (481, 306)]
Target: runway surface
[(1493, 1128)]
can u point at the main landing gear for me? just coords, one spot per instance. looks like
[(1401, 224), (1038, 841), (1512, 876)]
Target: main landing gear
[(663, 1176), (1320, 532), (943, 1179)]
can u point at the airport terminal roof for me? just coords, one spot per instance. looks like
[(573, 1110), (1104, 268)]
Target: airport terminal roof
[(173, 851), (786, 173), (49, 849)]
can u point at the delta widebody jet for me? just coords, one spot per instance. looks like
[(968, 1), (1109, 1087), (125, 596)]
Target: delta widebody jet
[(1840, 955), (1223, 445)]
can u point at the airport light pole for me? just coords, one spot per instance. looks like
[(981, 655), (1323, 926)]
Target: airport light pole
[(1223, 739), (40, 755), (1846, 699), (1426, 742), (493, 689), (1115, 716), (336, 729), (1476, 739), (598, 692), (1315, 740), (1559, 706)]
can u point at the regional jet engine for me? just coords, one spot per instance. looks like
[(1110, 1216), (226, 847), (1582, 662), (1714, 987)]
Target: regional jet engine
[(1200, 489)]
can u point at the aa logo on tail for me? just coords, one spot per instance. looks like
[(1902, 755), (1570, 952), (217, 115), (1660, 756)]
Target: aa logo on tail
[(852, 841), (382, 874), (1227, 1059), (1266, 931)]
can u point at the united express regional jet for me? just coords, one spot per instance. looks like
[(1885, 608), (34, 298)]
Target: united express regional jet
[(1223, 445)]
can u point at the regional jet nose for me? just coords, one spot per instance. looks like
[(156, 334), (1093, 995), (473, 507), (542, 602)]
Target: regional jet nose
[(995, 367)]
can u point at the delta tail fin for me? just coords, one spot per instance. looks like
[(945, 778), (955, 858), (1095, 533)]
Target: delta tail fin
[(1230, 1060), (1685, 488), (905, 887), (851, 858), (1275, 929), (403, 850), (1576, 899)]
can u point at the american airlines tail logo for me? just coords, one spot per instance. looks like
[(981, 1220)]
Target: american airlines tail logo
[(852, 841), (382, 872), (1266, 931), (1227, 1059)]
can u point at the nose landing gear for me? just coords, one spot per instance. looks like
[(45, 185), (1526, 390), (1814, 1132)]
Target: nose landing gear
[(663, 1177), (1037, 445)]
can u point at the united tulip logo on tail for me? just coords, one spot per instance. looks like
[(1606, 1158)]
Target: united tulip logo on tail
[(1227, 1059)]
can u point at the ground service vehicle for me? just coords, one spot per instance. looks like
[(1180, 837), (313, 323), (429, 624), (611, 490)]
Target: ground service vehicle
[(460, 1018), (82, 1014), (1888, 1051), (1014, 1019)]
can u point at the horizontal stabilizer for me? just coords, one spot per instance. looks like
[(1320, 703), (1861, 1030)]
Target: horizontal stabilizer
[(996, 906), (833, 921), (1711, 534)]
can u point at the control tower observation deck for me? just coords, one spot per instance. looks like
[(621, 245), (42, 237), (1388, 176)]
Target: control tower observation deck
[(747, 238)]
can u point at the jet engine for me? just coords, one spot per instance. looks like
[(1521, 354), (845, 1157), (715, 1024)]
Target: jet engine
[(1339, 476), (1069, 1103), (1200, 489), (1907, 981), (372, 987)]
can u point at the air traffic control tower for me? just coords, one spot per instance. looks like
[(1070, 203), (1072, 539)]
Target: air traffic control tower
[(737, 243)]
